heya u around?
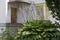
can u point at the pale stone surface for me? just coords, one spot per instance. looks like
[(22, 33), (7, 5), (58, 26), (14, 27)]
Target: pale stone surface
[(2, 11), (36, 1)]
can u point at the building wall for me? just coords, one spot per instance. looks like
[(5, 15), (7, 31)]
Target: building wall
[(40, 10), (2, 11), (45, 13), (39, 2), (21, 13), (24, 13), (8, 17), (36, 1)]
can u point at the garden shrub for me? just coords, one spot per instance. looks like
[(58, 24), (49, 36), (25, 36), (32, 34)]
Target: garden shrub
[(37, 30)]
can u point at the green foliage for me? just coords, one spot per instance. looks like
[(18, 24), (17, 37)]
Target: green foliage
[(8, 35), (36, 30), (54, 6)]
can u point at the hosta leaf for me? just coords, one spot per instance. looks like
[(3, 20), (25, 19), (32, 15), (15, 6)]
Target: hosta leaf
[(50, 29), (26, 33), (43, 33)]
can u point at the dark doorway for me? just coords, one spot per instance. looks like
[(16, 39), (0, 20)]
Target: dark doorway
[(13, 15)]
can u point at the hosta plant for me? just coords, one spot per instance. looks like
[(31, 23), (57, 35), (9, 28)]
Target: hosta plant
[(37, 30)]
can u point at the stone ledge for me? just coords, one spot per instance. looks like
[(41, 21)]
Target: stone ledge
[(13, 25)]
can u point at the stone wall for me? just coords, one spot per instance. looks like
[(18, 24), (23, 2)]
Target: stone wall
[(13, 27)]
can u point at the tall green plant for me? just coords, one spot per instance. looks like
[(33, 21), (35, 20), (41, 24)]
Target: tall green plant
[(36, 30)]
